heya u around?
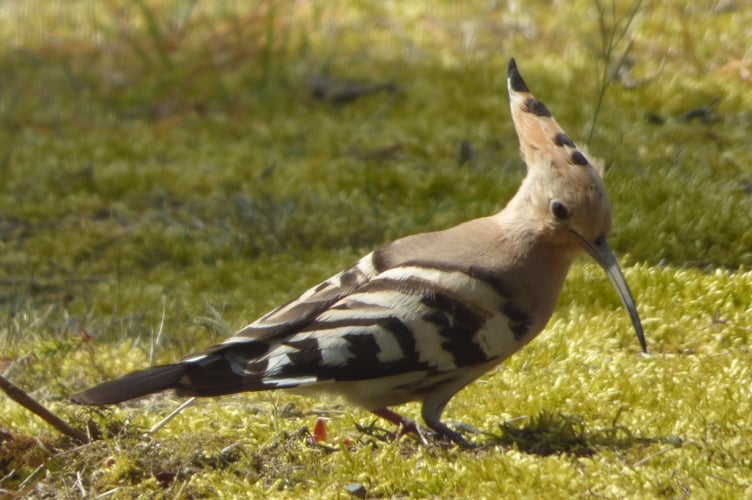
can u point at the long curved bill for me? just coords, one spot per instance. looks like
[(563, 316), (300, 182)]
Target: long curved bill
[(603, 255)]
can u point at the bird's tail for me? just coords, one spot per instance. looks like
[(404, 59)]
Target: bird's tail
[(133, 385), (214, 372)]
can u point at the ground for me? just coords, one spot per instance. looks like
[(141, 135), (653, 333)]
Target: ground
[(171, 170)]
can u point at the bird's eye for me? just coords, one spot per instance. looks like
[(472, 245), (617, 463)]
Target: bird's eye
[(559, 210)]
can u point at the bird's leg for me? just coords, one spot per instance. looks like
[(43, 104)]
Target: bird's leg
[(443, 431), (408, 426), (431, 413)]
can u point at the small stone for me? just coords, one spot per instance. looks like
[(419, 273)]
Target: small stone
[(357, 490), (675, 441)]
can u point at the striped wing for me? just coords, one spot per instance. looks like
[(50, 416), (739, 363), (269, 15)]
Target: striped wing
[(398, 322), (297, 313), (385, 316)]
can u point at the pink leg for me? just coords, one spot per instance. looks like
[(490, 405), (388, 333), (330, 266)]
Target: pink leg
[(408, 426)]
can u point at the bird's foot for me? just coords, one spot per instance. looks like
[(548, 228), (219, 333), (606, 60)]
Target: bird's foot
[(441, 432)]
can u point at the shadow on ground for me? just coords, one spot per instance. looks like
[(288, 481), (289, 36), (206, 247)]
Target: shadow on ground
[(559, 434)]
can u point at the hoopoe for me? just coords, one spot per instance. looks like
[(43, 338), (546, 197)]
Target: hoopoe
[(425, 315)]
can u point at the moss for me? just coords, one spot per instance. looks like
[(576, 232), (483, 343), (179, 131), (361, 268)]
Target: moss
[(167, 177)]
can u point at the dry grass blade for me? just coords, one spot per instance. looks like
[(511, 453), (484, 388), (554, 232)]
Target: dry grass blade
[(172, 415)]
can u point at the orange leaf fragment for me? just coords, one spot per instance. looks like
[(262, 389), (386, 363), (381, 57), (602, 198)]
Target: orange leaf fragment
[(319, 430)]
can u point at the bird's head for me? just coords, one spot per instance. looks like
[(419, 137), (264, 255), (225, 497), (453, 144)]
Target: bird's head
[(563, 191)]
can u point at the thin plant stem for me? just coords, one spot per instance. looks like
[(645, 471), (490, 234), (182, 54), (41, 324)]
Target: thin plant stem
[(612, 33), (172, 415)]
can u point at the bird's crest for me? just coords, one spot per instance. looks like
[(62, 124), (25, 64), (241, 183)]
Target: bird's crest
[(542, 140)]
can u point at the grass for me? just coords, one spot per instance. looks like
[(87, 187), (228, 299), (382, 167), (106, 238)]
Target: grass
[(167, 178)]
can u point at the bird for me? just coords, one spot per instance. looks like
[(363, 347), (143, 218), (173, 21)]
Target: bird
[(427, 314)]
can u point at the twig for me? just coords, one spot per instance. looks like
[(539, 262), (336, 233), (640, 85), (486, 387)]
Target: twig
[(31, 477), (172, 415), (19, 396), (650, 457)]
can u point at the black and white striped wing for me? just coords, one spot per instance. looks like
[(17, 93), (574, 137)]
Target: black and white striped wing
[(289, 318), (401, 321), (409, 319)]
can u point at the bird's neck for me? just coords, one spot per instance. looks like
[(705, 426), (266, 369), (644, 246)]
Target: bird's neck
[(538, 259)]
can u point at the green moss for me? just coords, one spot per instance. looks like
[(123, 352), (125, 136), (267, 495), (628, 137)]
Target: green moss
[(167, 178)]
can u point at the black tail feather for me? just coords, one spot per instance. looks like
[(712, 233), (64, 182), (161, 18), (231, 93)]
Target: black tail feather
[(216, 376), (133, 385)]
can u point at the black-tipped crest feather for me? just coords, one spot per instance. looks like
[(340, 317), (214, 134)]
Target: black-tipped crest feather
[(515, 80)]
